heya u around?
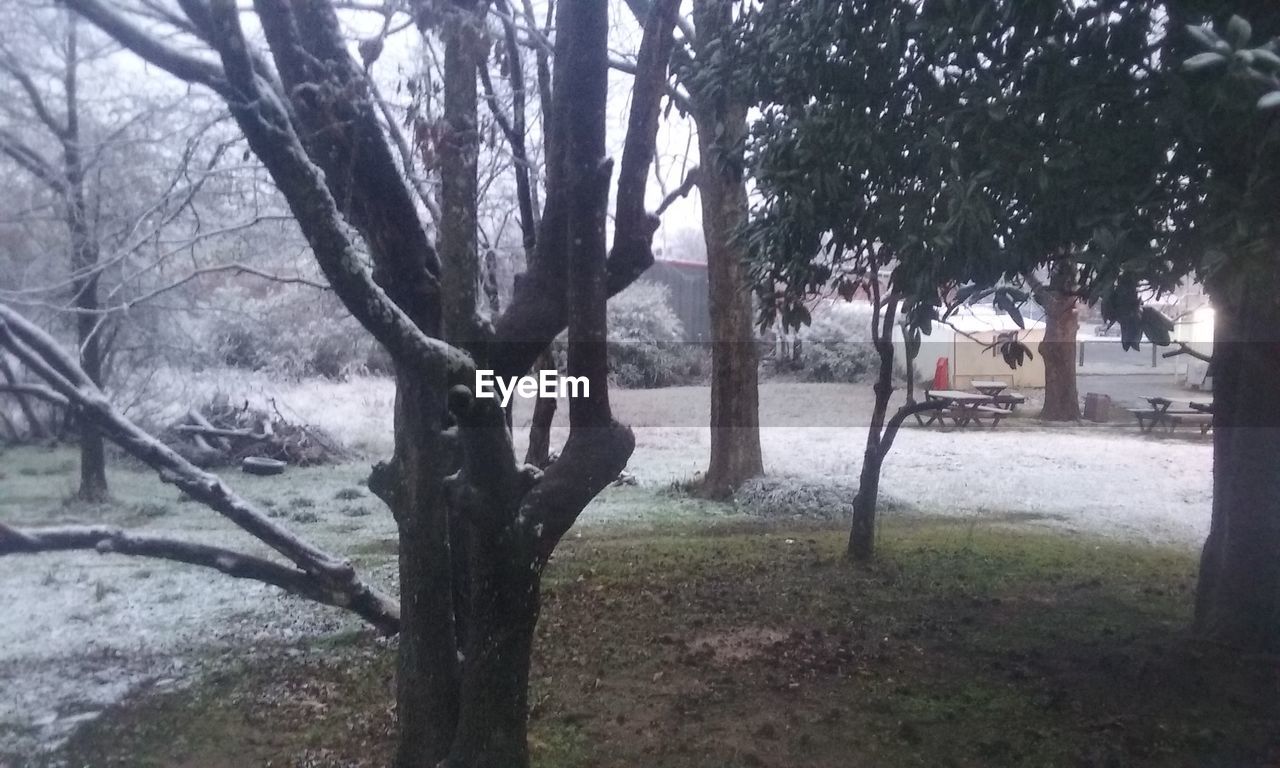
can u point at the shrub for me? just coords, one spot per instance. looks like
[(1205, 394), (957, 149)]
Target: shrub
[(835, 347), (646, 341), (240, 346)]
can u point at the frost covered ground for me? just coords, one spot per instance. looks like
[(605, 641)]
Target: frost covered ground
[(79, 630)]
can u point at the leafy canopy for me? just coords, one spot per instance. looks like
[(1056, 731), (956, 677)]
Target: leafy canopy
[(966, 142)]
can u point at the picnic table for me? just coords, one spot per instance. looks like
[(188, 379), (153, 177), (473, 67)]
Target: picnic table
[(1163, 412), (996, 391), (990, 388), (963, 408)]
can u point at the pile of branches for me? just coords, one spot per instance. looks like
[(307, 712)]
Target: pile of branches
[(221, 433)]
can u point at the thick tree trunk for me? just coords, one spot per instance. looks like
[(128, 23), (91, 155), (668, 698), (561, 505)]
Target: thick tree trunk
[(862, 531), (428, 670), (1061, 323), (1238, 597), (735, 396), (721, 122), (493, 727)]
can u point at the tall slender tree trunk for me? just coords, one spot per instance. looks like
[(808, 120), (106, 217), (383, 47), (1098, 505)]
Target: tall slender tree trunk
[(862, 531), (1238, 596), (735, 384), (1058, 350), (84, 282)]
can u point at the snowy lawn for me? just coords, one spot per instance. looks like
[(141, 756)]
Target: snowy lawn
[(79, 630)]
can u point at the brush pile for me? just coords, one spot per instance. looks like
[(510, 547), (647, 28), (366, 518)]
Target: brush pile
[(220, 433)]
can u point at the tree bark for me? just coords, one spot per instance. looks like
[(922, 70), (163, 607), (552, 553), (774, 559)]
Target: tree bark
[(538, 452), (84, 282), (862, 531), (493, 728), (427, 671), (1058, 350), (735, 397), (1238, 596)]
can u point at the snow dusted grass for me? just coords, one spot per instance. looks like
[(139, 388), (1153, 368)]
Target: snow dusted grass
[(1104, 479), (79, 630)]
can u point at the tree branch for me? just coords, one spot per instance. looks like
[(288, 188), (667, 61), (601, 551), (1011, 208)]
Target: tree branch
[(10, 65), (902, 414), (36, 391), (31, 161), (42, 355), (537, 312), (692, 179), (181, 65), (111, 540), (1186, 349)]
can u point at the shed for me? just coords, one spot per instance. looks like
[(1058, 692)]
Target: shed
[(687, 283)]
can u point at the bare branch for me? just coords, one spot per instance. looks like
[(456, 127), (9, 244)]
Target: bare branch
[(36, 391), (692, 179), (42, 355), (31, 161), (10, 65), (1186, 349), (177, 63), (673, 91), (110, 540), (632, 250), (267, 125)]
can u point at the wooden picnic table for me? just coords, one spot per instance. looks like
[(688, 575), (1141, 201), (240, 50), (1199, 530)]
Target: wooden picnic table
[(963, 408), (991, 387), (1162, 412)]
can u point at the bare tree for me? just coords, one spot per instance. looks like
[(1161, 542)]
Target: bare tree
[(476, 526), (64, 173), (314, 574)]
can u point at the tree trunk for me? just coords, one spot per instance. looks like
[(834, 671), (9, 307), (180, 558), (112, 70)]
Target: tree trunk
[(1238, 596), (84, 280), (544, 413), (735, 396), (84, 284), (493, 726), (428, 671), (862, 532), (1058, 350)]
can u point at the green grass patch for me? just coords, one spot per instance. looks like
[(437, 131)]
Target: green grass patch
[(748, 645)]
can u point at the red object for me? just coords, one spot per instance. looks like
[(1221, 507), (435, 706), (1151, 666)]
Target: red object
[(942, 374)]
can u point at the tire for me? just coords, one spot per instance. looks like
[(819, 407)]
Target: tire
[(260, 465)]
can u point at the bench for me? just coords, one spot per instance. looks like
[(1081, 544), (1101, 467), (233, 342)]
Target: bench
[(963, 415), (1008, 400), (1150, 418)]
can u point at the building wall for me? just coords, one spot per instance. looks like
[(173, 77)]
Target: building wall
[(687, 283)]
